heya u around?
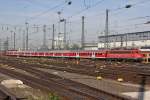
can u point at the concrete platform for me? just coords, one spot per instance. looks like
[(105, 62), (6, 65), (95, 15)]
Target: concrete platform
[(136, 94), (23, 91), (111, 86)]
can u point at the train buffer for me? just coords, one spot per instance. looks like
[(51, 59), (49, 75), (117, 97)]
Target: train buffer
[(146, 57)]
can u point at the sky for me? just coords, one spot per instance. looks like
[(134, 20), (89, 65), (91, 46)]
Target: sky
[(14, 14)]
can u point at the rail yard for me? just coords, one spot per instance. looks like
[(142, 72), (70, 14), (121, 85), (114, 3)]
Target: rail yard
[(74, 50), (93, 79)]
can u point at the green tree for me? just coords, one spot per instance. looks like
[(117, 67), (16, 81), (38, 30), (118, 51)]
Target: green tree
[(53, 97)]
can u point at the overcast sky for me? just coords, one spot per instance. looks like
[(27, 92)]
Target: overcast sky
[(14, 13)]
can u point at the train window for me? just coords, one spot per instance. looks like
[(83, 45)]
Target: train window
[(136, 52), (145, 55), (119, 52), (90, 54), (98, 53)]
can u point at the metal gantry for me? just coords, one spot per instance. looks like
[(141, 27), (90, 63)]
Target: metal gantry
[(27, 37), (106, 45), (83, 33)]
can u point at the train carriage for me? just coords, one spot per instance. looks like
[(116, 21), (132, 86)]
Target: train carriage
[(97, 54)]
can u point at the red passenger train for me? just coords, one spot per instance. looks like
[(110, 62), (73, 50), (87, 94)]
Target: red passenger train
[(97, 54)]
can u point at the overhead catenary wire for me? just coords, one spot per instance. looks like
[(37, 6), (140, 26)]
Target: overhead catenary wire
[(81, 12), (33, 2), (61, 4), (42, 13), (129, 6), (129, 26), (137, 18), (85, 9), (48, 10), (112, 10), (68, 2)]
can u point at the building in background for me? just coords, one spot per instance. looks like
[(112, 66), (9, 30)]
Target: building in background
[(6, 44), (127, 40), (90, 46), (59, 42)]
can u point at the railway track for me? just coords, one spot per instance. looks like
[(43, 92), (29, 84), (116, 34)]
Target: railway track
[(110, 70), (67, 88), (46, 86)]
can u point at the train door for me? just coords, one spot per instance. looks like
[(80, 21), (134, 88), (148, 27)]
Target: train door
[(93, 55), (77, 55)]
